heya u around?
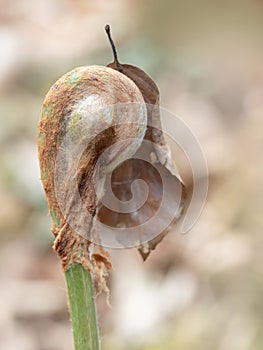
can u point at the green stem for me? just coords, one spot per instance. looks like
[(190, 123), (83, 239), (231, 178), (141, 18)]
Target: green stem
[(82, 308)]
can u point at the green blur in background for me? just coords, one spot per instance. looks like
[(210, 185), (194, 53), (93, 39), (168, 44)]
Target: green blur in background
[(199, 291)]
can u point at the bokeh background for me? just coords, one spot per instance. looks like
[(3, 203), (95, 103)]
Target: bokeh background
[(199, 291)]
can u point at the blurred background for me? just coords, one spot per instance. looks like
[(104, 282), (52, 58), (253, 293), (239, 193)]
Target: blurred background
[(202, 290)]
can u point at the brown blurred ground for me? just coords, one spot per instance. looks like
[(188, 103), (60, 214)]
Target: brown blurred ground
[(199, 291)]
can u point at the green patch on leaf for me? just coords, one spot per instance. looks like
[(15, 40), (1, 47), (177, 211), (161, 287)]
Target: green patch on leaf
[(46, 111), (55, 217), (41, 136), (74, 120), (44, 174), (74, 78)]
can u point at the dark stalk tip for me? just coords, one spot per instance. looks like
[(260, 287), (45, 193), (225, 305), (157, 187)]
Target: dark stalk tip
[(107, 28)]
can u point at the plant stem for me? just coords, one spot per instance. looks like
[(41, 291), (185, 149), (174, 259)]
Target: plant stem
[(82, 308)]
